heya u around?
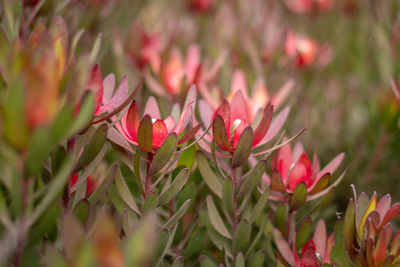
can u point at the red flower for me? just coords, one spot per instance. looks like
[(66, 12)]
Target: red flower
[(301, 48), (91, 184), (308, 6), (131, 123), (295, 167), (202, 6)]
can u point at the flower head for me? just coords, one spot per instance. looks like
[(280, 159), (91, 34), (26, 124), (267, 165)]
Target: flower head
[(308, 6), (150, 130), (294, 167), (302, 49)]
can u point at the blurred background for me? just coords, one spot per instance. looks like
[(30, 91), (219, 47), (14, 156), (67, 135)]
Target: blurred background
[(341, 54)]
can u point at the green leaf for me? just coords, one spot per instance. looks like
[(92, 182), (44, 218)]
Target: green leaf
[(105, 184), (243, 148), (178, 262), (239, 261), (252, 178), (188, 192), (303, 232), (261, 232), (276, 182), (207, 262), (163, 154), (145, 134), (227, 195), (167, 246), (175, 187), (349, 227), (298, 197), (260, 206), (339, 257), (208, 175), (161, 243), (84, 117), (215, 218), (281, 219), (95, 48), (178, 215), (219, 133), (92, 148), (196, 242), (242, 236), (54, 189), (257, 259), (188, 157), (124, 192), (322, 183), (151, 202), (39, 149), (136, 168)]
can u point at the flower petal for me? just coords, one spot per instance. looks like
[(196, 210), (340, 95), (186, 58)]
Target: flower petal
[(131, 121), (332, 166), (276, 125), (224, 110), (160, 132), (240, 110), (383, 206), (300, 172), (95, 84), (108, 85), (152, 109), (238, 84), (298, 150), (118, 99), (192, 63), (319, 238), (392, 213), (206, 112), (282, 160), (264, 125)]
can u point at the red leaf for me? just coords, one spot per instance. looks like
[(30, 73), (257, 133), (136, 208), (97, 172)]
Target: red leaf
[(131, 121), (264, 125)]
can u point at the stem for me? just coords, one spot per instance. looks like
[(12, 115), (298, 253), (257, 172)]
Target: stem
[(235, 211), (148, 177), (22, 224)]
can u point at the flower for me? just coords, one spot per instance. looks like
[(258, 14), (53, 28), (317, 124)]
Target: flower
[(292, 168), (302, 49), (107, 103), (202, 6), (308, 6), (91, 184), (131, 124), (316, 250), (368, 233)]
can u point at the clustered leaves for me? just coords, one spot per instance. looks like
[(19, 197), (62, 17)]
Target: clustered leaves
[(195, 176)]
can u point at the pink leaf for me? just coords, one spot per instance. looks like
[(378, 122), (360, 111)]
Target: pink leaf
[(152, 109), (239, 84), (264, 125), (332, 166), (276, 125), (319, 238)]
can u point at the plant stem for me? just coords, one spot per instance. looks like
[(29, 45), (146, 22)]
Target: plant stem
[(148, 177), (235, 212)]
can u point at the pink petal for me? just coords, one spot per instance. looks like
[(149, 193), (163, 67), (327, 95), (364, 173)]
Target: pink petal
[(172, 72), (308, 257), (214, 69), (282, 160), (160, 132), (284, 248), (383, 206), (132, 121), (239, 83), (152, 109), (319, 238), (259, 97), (120, 137), (276, 125), (118, 99), (108, 85), (184, 119), (191, 96), (95, 84), (332, 166), (192, 63), (169, 123), (224, 110), (263, 125), (238, 132), (239, 112), (206, 112), (392, 213), (301, 172), (316, 166), (298, 150)]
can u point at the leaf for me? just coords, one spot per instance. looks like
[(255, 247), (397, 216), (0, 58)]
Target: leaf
[(84, 117), (105, 184), (136, 168), (298, 197), (54, 189), (283, 247), (303, 232), (257, 260), (178, 262), (215, 218), (322, 183), (239, 261), (196, 242), (276, 182), (163, 154), (339, 257), (188, 157), (252, 178), (227, 195), (92, 148), (188, 192), (81, 210), (207, 262), (175, 187), (145, 134), (349, 227), (260, 206), (124, 192), (243, 148), (178, 215), (208, 175), (281, 219), (39, 148), (220, 133), (150, 203), (161, 243), (242, 236)]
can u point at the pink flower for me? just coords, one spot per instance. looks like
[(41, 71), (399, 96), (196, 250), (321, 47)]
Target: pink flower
[(202, 6), (308, 6), (295, 167), (302, 49), (132, 122)]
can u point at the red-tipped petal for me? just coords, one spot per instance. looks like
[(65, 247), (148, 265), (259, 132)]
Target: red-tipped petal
[(301, 172), (170, 123), (95, 84), (264, 125), (239, 83), (308, 257), (224, 110), (152, 109), (160, 132), (276, 125), (192, 63), (132, 121)]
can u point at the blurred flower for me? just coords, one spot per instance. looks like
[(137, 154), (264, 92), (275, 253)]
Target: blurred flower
[(91, 184), (144, 48), (202, 6), (159, 129), (291, 168), (316, 252), (368, 233), (308, 6)]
